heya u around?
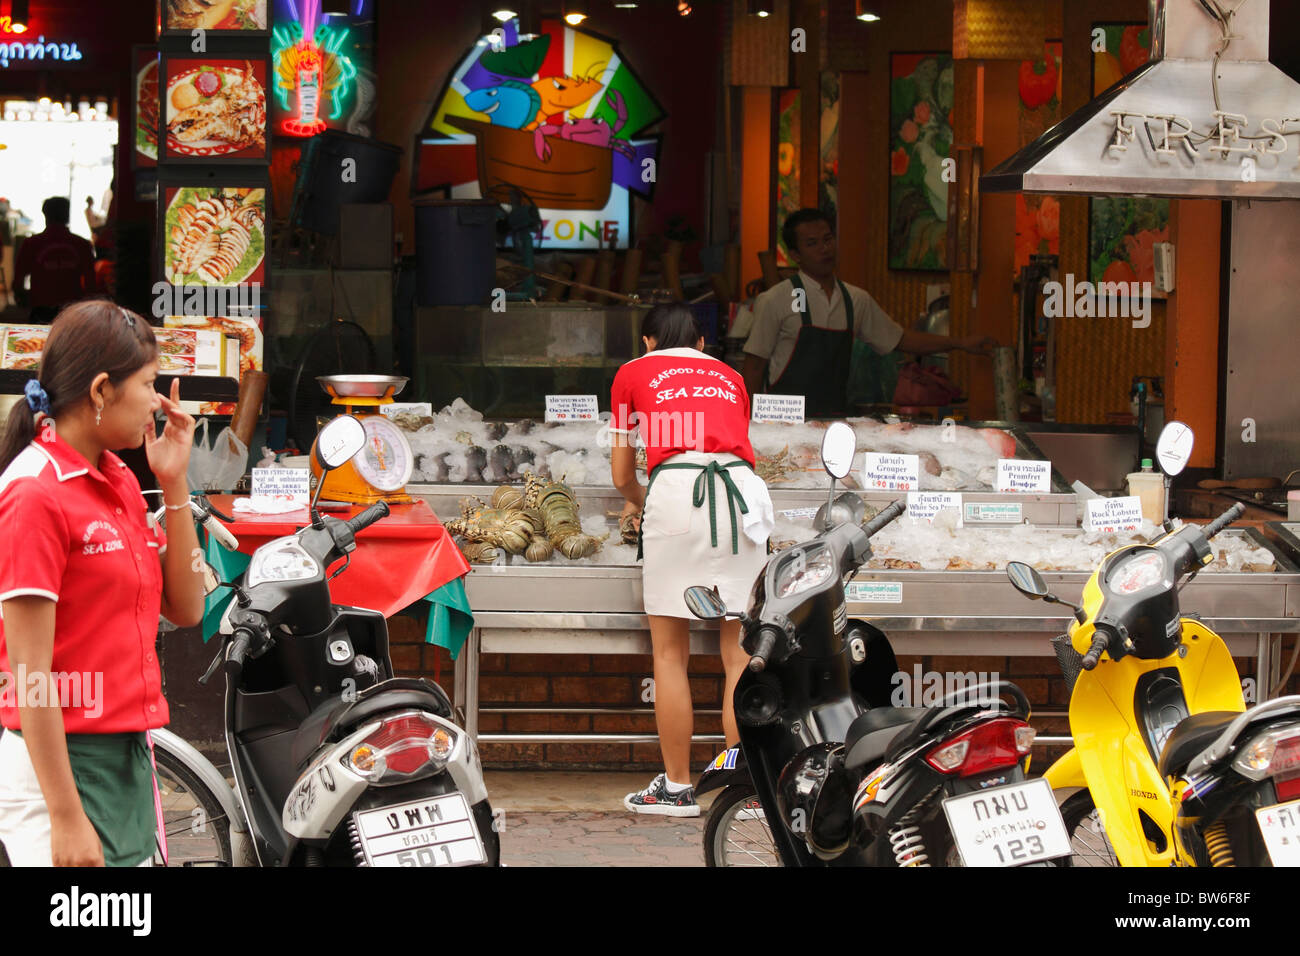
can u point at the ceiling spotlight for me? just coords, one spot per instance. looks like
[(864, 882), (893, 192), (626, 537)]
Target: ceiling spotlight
[(505, 14), (760, 8), (18, 16), (865, 10), (683, 8), (575, 11), (625, 4)]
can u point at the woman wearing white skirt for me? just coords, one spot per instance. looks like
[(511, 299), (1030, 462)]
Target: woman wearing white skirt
[(707, 518)]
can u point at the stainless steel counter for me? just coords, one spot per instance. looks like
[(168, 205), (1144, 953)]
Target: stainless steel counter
[(565, 608)]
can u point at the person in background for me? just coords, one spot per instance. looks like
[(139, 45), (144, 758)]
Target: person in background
[(808, 351), (61, 265), (84, 575), (692, 413)]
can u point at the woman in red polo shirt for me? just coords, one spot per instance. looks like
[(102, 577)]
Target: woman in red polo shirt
[(84, 575), (707, 520)]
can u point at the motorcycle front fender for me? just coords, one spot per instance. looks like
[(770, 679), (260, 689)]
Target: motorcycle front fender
[(727, 769)]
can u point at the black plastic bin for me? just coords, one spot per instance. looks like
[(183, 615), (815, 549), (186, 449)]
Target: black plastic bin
[(455, 251)]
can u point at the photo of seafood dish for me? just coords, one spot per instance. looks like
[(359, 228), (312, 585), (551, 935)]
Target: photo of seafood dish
[(23, 345), (214, 236), (146, 111), (215, 109), (215, 14)]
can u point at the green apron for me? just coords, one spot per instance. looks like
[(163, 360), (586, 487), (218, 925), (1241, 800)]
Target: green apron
[(705, 480), (115, 780), (819, 365)]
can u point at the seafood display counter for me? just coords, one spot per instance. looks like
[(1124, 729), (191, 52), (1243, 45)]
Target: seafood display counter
[(932, 590), (935, 588)]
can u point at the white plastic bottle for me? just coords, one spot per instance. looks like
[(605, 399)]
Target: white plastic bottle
[(1149, 485)]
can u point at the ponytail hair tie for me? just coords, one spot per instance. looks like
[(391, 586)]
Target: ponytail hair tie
[(38, 400)]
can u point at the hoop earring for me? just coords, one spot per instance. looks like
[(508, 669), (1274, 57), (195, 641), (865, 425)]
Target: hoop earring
[(98, 413)]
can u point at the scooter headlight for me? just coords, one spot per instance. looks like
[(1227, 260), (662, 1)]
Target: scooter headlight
[(804, 572), (283, 560), (405, 746)]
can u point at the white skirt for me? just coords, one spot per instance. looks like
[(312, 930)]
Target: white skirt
[(676, 545)]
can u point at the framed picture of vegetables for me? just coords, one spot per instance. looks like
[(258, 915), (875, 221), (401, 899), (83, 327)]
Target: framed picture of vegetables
[(920, 139), (213, 110), (1123, 230)]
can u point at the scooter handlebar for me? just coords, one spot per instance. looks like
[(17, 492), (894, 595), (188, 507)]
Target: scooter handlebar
[(368, 517), (884, 518), (1225, 519), (763, 649), (237, 651), (1093, 657)]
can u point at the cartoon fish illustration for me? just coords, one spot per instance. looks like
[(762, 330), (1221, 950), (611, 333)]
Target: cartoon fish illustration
[(509, 104), (560, 93)]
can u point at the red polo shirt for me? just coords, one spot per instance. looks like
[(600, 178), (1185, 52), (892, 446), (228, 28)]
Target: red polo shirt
[(682, 400), (81, 537)]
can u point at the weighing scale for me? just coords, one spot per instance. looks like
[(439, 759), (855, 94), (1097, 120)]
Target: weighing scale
[(382, 469)]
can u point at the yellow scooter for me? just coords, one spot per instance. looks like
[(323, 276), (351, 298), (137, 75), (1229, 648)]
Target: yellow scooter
[(1170, 767)]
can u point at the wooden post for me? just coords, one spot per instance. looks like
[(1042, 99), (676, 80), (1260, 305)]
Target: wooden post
[(672, 268), (767, 263), (631, 272), (585, 270), (555, 291), (604, 272), (731, 269)]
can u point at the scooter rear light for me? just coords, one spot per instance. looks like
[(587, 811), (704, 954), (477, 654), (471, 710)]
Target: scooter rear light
[(402, 746), (1272, 754), (990, 745), (1288, 789)]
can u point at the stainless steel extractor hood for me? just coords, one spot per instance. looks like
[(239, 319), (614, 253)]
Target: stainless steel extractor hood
[(1161, 132)]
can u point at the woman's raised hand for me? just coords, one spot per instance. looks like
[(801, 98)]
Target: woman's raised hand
[(169, 453)]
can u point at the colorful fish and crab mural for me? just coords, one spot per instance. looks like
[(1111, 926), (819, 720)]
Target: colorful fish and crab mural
[(560, 117)]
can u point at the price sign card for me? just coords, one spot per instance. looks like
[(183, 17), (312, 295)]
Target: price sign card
[(285, 484), (924, 505), (1109, 515), (1025, 477), (572, 408), (778, 408), (415, 408), (796, 514), (890, 472)]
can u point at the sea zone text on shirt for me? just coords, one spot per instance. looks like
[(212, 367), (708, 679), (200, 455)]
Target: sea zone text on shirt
[(693, 391)]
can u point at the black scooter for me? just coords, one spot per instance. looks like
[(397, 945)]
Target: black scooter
[(337, 761), (827, 772)]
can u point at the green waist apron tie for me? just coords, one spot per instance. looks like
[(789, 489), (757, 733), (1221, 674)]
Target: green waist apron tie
[(705, 480)]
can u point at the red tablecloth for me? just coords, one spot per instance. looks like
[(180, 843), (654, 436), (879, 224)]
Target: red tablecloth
[(397, 561)]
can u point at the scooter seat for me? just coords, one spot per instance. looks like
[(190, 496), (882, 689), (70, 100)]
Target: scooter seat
[(870, 735), (333, 719), (1190, 737)]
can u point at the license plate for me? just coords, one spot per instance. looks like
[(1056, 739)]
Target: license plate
[(439, 831), (1280, 826), (1007, 826)]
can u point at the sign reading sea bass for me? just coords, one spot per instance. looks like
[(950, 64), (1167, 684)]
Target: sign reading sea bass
[(560, 117)]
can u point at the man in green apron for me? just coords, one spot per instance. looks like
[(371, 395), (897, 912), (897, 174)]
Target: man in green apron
[(804, 328)]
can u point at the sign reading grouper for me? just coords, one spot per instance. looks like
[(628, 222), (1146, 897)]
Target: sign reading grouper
[(890, 472)]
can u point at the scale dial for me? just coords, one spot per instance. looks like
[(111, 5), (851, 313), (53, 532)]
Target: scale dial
[(387, 461)]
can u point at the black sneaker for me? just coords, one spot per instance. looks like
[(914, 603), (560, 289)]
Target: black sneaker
[(656, 799)]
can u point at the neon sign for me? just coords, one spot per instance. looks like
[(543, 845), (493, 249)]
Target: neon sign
[(7, 25), (308, 61), (37, 51)]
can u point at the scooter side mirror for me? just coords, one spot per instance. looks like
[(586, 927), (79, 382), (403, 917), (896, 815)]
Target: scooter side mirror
[(1027, 580), (1174, 447), (338, 442), (838, 447), (705, 603)]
